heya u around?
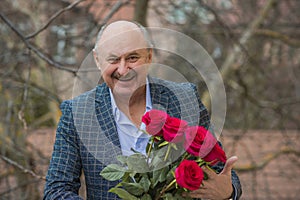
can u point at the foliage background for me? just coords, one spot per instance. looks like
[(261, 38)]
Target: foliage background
[(255, 44)]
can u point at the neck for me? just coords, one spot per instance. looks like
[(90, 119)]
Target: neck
[(133, 106), (132, 99)]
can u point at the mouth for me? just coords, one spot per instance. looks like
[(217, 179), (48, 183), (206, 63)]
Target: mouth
[(127, 77)]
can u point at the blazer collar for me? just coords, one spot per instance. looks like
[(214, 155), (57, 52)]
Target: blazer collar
[(105, 114), (159, 94), (159, 97)]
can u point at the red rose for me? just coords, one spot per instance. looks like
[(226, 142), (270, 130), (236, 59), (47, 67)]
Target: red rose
[(173, 130), (155, 120), (200, 142), (189, 175), (215, 155)]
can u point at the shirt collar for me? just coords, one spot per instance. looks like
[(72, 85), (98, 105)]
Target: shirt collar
[(116, 111)]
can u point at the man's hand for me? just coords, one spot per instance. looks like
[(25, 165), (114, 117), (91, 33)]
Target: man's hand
[(217, 186)]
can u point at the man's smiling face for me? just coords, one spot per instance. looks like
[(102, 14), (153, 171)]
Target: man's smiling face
[(123, 58)]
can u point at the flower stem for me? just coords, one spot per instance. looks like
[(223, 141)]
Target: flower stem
[(165, 189), (186, 155), (211, 169), (168, 152), (150, 149)]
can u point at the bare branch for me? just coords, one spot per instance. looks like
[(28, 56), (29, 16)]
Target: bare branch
[(25, 95), (226, 30), (35, 87), (17, 187), (241, 85), (266, 160), (234, 55), (35, 49), (113, 10), (276, 35), (20, 167), (6, 173), (53, 17)]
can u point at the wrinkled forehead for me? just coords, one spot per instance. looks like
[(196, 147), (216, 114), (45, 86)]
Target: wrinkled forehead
[(121, 42)]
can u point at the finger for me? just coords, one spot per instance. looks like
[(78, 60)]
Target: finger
[(194, 194), (205, 184), (229, 165), (210, 173)]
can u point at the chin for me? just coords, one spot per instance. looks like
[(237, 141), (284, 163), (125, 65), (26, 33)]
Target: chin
[(124, 91)]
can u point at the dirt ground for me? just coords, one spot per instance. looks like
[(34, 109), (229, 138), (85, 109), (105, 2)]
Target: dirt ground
[(268, 165)]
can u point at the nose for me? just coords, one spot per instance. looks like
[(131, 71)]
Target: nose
[(123, 67)]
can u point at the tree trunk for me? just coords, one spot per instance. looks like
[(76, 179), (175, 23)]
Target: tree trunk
[(140, 11)]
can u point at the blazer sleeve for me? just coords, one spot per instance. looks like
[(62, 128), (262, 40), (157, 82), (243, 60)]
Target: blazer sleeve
[(205, 121), (63, 177)]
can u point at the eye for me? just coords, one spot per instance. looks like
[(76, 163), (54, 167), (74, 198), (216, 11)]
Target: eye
[(132, 58), (113, 60)]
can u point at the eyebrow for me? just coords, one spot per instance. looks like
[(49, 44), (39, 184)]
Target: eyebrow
[(127, 54)]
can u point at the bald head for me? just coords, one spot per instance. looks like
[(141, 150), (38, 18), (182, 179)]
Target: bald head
[(123, 29), (120, 27)]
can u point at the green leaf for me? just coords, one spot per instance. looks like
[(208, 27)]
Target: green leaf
[(146, 197), (123, 194), (155, 178), (168, 196), (145, 183), (159, 176), (170, 175), (133, 188), (113, 172), (157, 161), (163, 174), (137, 163), (122, 159), (178, 196), (126, 177), (132, 175)]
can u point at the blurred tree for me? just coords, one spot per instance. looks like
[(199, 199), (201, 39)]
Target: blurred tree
[(140, 12), (43, 44), (254, 43)]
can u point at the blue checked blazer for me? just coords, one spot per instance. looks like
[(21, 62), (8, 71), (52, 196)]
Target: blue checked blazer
[(87, 139)]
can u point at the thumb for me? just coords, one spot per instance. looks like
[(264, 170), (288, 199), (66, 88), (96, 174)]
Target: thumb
[(229, 165)]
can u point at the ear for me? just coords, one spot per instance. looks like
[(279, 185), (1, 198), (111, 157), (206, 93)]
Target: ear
[(96, 59)]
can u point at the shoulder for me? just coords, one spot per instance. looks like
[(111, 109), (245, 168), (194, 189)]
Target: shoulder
[(85, 97), (173, 86)]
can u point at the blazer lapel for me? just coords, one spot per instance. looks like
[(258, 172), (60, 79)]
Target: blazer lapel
[(105, 115), (158, 96), (163, 97), (160, 100)]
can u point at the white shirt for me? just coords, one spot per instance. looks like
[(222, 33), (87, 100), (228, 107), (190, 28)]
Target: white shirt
[(129, 135)]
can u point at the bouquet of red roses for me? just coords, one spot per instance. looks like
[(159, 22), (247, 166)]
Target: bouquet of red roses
[(172, 164)]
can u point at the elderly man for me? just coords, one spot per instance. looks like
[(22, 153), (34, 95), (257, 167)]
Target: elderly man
[(100, 124)]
